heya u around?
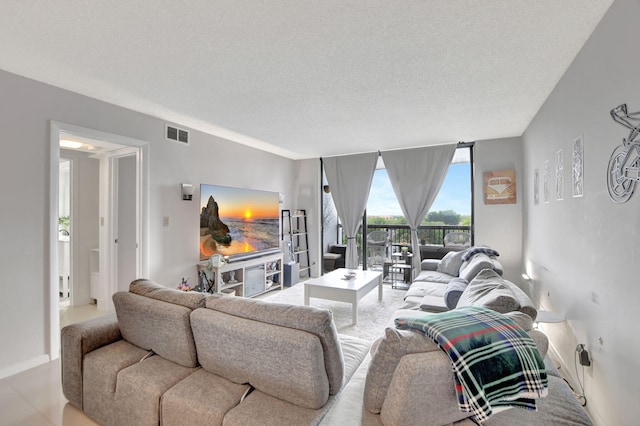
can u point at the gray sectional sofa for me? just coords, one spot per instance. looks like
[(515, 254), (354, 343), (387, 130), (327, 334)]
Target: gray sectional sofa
[(408, 380), (174, 358)]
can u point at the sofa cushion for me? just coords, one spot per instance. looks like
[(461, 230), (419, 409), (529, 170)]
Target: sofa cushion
[(433, 304), (140, 388), (191, 401), (451, 262), (424, 288), (433, 277), (488, 290), (454, 290), (156, 326), (313, 320), (100, 369), (390, 349), (470, 268), (283, 362), (148, 288)]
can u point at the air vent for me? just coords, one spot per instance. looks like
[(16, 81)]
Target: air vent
[(176, 134)]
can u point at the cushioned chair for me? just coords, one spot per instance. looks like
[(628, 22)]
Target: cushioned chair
[(335, 257), (457, 239), (378, 244)]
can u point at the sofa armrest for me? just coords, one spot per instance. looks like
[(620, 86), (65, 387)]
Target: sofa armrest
[(429, 264), (422, 392), (77, 340)]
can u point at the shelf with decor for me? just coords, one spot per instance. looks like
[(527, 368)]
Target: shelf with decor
[(294, 229), (247, 278)]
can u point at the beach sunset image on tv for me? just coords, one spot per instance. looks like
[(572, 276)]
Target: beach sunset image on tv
[(237, 220)]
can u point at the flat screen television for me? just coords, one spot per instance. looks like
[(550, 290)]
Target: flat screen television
[(238, 223)]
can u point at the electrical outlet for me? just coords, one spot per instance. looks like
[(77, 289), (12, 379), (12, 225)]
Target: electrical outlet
[(583, 355)]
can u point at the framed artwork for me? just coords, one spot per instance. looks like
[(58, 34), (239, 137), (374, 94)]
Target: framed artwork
[(546, 170), (536, 187), (500, 187), (559, 175), (578, 167)]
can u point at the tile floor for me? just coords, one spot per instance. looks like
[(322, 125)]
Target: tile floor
[(34, 397)]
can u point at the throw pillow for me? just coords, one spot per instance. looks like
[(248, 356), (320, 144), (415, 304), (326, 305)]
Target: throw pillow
[(470, 268), (450, 263), (489, 290), (453, 292)]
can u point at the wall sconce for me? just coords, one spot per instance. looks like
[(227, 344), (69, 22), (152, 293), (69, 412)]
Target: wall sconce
[(187, 191), (326, 189)]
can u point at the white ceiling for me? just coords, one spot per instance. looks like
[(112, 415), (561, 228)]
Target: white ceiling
[(308, 78)]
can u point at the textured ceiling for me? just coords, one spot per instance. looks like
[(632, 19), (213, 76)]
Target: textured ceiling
[(304, 78)]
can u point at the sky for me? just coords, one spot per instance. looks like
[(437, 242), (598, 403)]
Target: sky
[(455, 193), (241, 203)]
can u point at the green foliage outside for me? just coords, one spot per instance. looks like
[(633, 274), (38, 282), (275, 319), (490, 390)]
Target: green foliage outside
[(439, 218)]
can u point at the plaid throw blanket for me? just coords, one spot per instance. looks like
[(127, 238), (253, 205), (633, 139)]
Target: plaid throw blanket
[(496, 363)]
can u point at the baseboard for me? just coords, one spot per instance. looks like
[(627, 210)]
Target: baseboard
[(24, 366)]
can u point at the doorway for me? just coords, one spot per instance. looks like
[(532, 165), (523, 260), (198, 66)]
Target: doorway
[(120, 190), (64, 232)]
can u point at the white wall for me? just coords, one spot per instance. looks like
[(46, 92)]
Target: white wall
[(583, 252), (307, 196), (499, 225), (27, 108)]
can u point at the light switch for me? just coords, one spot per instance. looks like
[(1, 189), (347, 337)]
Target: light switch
[(165, 222)]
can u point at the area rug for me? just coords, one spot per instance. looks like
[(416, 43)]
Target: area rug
[(373, 314)]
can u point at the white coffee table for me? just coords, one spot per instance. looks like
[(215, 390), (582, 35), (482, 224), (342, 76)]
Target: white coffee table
[(333, 286)]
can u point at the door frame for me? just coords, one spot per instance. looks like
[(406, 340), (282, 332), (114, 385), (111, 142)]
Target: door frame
[(142, 166)]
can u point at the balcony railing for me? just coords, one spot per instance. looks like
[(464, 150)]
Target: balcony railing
[(430, 236)]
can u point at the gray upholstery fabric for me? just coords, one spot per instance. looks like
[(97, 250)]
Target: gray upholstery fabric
[(158, 326), (279, 361), (148, 288), (522, 319), (100, 375), (354, 351), (473, 266), (140, 387), (488, 289), (422, 392), (76, 341), (559, 408), (260, 409), (526, 305), (395, 345), (348, 408), (454, 290), (200, 399), (433, 277), (451, 263), (313, 320), (433, 304), (421, 289), (429, 264)]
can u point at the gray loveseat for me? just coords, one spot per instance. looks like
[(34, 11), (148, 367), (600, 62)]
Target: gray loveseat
[(174, 358)]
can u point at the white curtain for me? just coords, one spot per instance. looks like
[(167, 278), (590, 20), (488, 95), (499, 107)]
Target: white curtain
[(349, 178), (416, 176)]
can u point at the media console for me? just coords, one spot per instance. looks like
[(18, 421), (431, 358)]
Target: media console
[(245, 278)]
